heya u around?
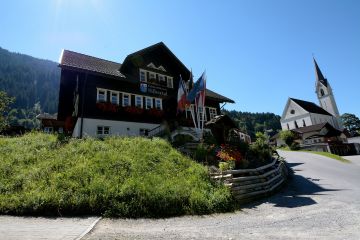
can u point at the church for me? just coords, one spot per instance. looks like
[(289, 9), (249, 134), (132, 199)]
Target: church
[(316, 127)]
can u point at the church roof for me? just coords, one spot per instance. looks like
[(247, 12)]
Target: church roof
[(310, 107), (319, 76)]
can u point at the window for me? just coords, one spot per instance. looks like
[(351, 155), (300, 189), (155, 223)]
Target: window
[(292, 111), (102, 130), (322, 92), (161, 78), (296, 125), (212, 113), (138, 101), (304, 124), (142, 76), (149, 103), (61, 130), (158, 103), (48, 129), (288, 126), (202, 118), (101, 95), (126, 100), (143, 131), (114, 98), (152, 76), (169, 82)]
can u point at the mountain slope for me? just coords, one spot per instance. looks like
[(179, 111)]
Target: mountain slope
[(30, 80)]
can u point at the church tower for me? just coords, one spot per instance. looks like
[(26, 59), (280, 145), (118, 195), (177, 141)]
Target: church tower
[(325, 94)]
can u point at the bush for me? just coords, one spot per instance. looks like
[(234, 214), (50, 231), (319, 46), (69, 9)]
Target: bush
[(118, 177), (288, 137), (181, 139), (294, 146)]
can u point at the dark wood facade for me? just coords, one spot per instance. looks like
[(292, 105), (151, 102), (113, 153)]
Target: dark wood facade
[(82, 76)]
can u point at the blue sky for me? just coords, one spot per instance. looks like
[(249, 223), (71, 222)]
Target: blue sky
[(256, 52)]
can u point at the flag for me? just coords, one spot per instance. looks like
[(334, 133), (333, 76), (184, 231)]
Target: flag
[(181, 97), (197, 88)]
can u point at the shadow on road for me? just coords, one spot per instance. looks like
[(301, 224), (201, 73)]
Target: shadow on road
[(296, 193)]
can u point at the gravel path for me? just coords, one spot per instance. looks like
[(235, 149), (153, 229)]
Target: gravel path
[(321, 202)]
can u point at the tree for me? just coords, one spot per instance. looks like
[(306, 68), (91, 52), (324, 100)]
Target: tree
[(288, 137), (351, 122), (5, 102)]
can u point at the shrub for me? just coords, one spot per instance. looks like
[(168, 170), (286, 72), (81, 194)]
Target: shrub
[(118, 177), (181, 139), (287, 136)]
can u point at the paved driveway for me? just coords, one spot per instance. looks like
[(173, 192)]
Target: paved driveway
[(321, 202), (32, 228)]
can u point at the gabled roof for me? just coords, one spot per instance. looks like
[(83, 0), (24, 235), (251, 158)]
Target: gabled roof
[(216, 96), (319, 76), (310, 107), (160, 45), (317, 128), (85, 62)]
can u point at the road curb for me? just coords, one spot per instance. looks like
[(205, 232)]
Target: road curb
[(88, 229)]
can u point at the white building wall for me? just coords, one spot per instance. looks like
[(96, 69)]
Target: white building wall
[(117, 128)]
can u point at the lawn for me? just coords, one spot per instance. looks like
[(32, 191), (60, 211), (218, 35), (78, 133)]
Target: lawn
[(117, 177)]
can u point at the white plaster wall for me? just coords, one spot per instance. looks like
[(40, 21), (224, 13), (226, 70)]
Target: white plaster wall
[(354, 140), (299, 121), (118, 128), (298, 111)]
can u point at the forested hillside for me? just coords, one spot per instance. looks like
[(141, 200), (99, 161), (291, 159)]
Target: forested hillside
[(255, 122), (29, 80)]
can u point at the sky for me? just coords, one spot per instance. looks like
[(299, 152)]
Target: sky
[(256, 52)]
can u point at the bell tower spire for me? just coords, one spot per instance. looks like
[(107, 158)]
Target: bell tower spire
[(325, 94)]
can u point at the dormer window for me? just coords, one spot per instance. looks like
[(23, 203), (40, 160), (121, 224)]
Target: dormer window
[(152, 76), (161, 78), (169, 82)]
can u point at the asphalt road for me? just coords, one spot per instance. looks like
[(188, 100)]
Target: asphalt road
[(322, 201)]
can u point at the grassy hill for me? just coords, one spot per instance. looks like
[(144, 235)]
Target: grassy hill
[(125, 177)]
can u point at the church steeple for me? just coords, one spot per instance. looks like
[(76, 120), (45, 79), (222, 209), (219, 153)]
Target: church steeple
[(319, 76), (325, 94)]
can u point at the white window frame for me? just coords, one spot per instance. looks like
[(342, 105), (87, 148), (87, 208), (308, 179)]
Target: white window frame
[(141, 97), (169, 82), (48, 129), (163, 78), (100, 130), (117, 97), (123, 97), (97, 94), (212, 114), (146, 105), (143, 71), (200, 114), (150, 76), (158, 99)]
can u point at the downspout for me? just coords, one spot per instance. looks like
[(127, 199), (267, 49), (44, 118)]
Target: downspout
[(82, 106)]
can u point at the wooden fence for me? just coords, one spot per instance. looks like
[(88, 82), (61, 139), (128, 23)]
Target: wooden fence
[(248, 184)]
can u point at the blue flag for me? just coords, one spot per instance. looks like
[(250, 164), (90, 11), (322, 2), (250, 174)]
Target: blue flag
[(199, 86)]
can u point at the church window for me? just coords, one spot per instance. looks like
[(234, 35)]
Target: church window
[(292, 111), (322, 92), (304, 124), (296, 125), (288, 126)]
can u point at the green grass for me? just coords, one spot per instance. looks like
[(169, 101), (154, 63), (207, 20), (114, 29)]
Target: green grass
[(118, 177)]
